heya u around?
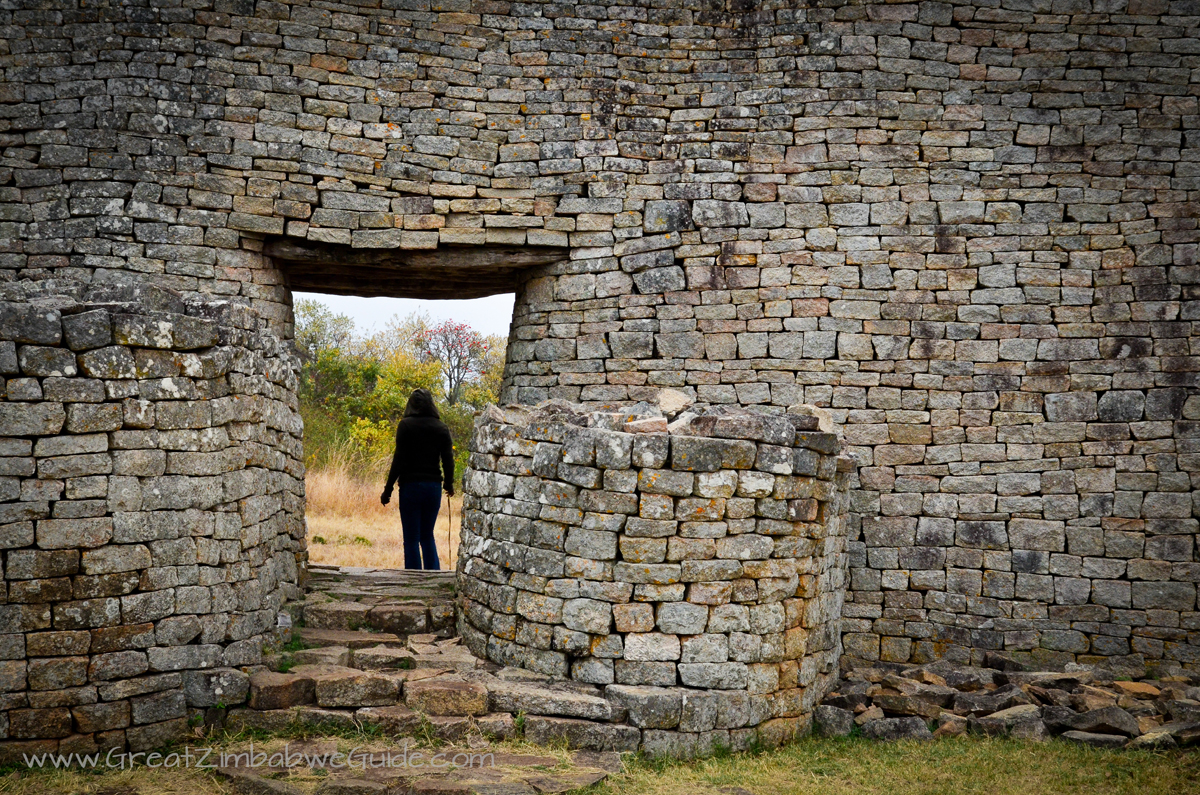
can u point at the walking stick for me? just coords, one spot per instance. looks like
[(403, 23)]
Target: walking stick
[(449, 528)]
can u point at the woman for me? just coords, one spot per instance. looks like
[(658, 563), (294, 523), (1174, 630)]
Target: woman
[(422, 440)]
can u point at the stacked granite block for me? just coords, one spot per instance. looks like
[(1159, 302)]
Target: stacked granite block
[(967, 228), (707, 555), (1069, 538), (151, 510)]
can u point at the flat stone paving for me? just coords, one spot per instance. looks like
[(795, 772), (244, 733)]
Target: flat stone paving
[(298, 767), (398, 601)]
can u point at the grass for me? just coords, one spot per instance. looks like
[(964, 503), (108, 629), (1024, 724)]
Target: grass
[(952, 766), (347, 526), (962, 766)]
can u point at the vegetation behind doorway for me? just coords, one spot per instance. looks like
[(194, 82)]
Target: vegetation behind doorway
[(353, 389)]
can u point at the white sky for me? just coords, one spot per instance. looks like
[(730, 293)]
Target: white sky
[(488, 316)]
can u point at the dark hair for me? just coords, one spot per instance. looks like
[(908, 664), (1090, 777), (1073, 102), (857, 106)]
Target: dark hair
[(420, 404)]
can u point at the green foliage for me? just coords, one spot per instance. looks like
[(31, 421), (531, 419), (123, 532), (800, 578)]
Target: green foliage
[(295, 645), (353, 389), (319, 329)]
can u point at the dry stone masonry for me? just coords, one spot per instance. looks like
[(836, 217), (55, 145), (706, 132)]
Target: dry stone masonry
[(151, 510), (967, 229), (695, 570)]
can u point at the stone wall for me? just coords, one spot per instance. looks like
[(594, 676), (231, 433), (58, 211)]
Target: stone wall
[(707, 562), (151, 510), (966, 228)]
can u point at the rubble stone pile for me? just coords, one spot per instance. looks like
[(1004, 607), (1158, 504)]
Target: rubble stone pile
[(1101, 706)]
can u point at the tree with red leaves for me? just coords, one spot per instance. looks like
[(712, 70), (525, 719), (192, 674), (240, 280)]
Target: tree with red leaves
[(460, 350)]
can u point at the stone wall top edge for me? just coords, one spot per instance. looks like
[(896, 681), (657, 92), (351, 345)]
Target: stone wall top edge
[(555, 420)]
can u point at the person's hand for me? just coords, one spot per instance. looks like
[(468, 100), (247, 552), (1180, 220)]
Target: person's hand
[(449, 491), (386, 497)]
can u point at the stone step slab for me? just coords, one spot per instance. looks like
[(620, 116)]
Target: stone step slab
[(323, 719), (501, 773), (457, 660), (608, 761), (446, 697), (378, 658), (346, 616), (449, 728), (516, 697), (271, 691), (399, 619), (648, 707), (584, 734), (276, 721), (394, 720), (350, 639), (338, 686), (273, 721), (424, 638), (325, 655), (442, 616), (497, 725)]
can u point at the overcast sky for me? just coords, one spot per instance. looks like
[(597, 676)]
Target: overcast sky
[(488, 316)]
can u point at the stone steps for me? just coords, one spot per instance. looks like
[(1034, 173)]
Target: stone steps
[(396, 602), (376, 655), (424, 685), (351, 639)]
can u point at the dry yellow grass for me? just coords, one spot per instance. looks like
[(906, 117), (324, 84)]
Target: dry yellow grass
[(962, 766), (174, 775), (348, 527), (966, 766)]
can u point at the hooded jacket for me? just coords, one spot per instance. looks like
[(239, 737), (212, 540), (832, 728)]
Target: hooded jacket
[(422, 442)]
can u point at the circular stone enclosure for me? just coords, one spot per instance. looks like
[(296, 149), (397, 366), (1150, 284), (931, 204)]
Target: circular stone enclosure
[(611, 548)]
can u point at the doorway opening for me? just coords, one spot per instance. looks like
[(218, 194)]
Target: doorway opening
[(370, 327)]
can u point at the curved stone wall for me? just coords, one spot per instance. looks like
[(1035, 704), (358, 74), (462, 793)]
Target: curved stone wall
[(705, 562), (151, 510)]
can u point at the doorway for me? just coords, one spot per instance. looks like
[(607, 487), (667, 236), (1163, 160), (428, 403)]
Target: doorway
[(370, 327)]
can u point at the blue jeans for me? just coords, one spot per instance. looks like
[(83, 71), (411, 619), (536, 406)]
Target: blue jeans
[(419, 505)]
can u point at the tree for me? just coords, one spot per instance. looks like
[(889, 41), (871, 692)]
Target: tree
[(354, 387), (460, 350), (319, 329)]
